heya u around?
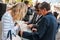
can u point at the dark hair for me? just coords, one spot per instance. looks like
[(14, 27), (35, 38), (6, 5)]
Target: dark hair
[(26, 2), (55, 14), (36, 6), (45, 5)]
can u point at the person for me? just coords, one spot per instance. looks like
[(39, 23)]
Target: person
[(29, 12), (16, 12), (36, 16), (46, 27), (56, 14)]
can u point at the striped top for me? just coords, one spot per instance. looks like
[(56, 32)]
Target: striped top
[(7, 24)]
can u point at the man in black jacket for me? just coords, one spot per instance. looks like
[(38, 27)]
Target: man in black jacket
[(46, 27), (29, 12)]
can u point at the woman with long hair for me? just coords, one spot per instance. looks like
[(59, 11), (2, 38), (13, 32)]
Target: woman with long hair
[(15, 13)]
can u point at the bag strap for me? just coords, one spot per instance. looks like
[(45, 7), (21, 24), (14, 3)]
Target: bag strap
[(9, 35)]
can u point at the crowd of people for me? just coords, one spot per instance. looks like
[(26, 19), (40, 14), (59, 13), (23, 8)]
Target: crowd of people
[(43, 25)]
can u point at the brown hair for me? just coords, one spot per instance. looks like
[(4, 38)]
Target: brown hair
[(45, 5)]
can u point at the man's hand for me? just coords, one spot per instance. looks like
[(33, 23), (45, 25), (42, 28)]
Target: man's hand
[(34, 29)]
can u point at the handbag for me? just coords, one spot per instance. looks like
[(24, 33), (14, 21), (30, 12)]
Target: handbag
[(11, 36)]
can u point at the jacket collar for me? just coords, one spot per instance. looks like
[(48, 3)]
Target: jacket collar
[(49, 13)]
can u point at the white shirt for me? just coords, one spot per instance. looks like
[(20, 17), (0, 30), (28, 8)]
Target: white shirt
[(7, 24), (38, 16)]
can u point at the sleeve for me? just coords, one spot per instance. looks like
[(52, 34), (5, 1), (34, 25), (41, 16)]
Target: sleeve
[(27, 35), (5, 26), (8, 24), (41, 29), (33, 19), (29, 12)]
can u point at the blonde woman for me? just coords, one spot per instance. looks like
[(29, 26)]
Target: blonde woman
[(16, 12)]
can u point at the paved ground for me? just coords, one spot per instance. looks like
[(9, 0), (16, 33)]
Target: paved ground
[(57, 36)]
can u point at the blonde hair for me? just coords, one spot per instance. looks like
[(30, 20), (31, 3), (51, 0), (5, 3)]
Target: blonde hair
[(19, 11)]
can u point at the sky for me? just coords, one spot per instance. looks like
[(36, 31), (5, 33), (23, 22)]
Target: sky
[(52, 1)]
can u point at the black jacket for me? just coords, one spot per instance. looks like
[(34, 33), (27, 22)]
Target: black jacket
[(29, 12), (46, 29)]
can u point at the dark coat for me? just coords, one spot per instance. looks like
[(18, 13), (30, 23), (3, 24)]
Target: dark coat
[(33, 21), (46, 29), (29, 12)]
